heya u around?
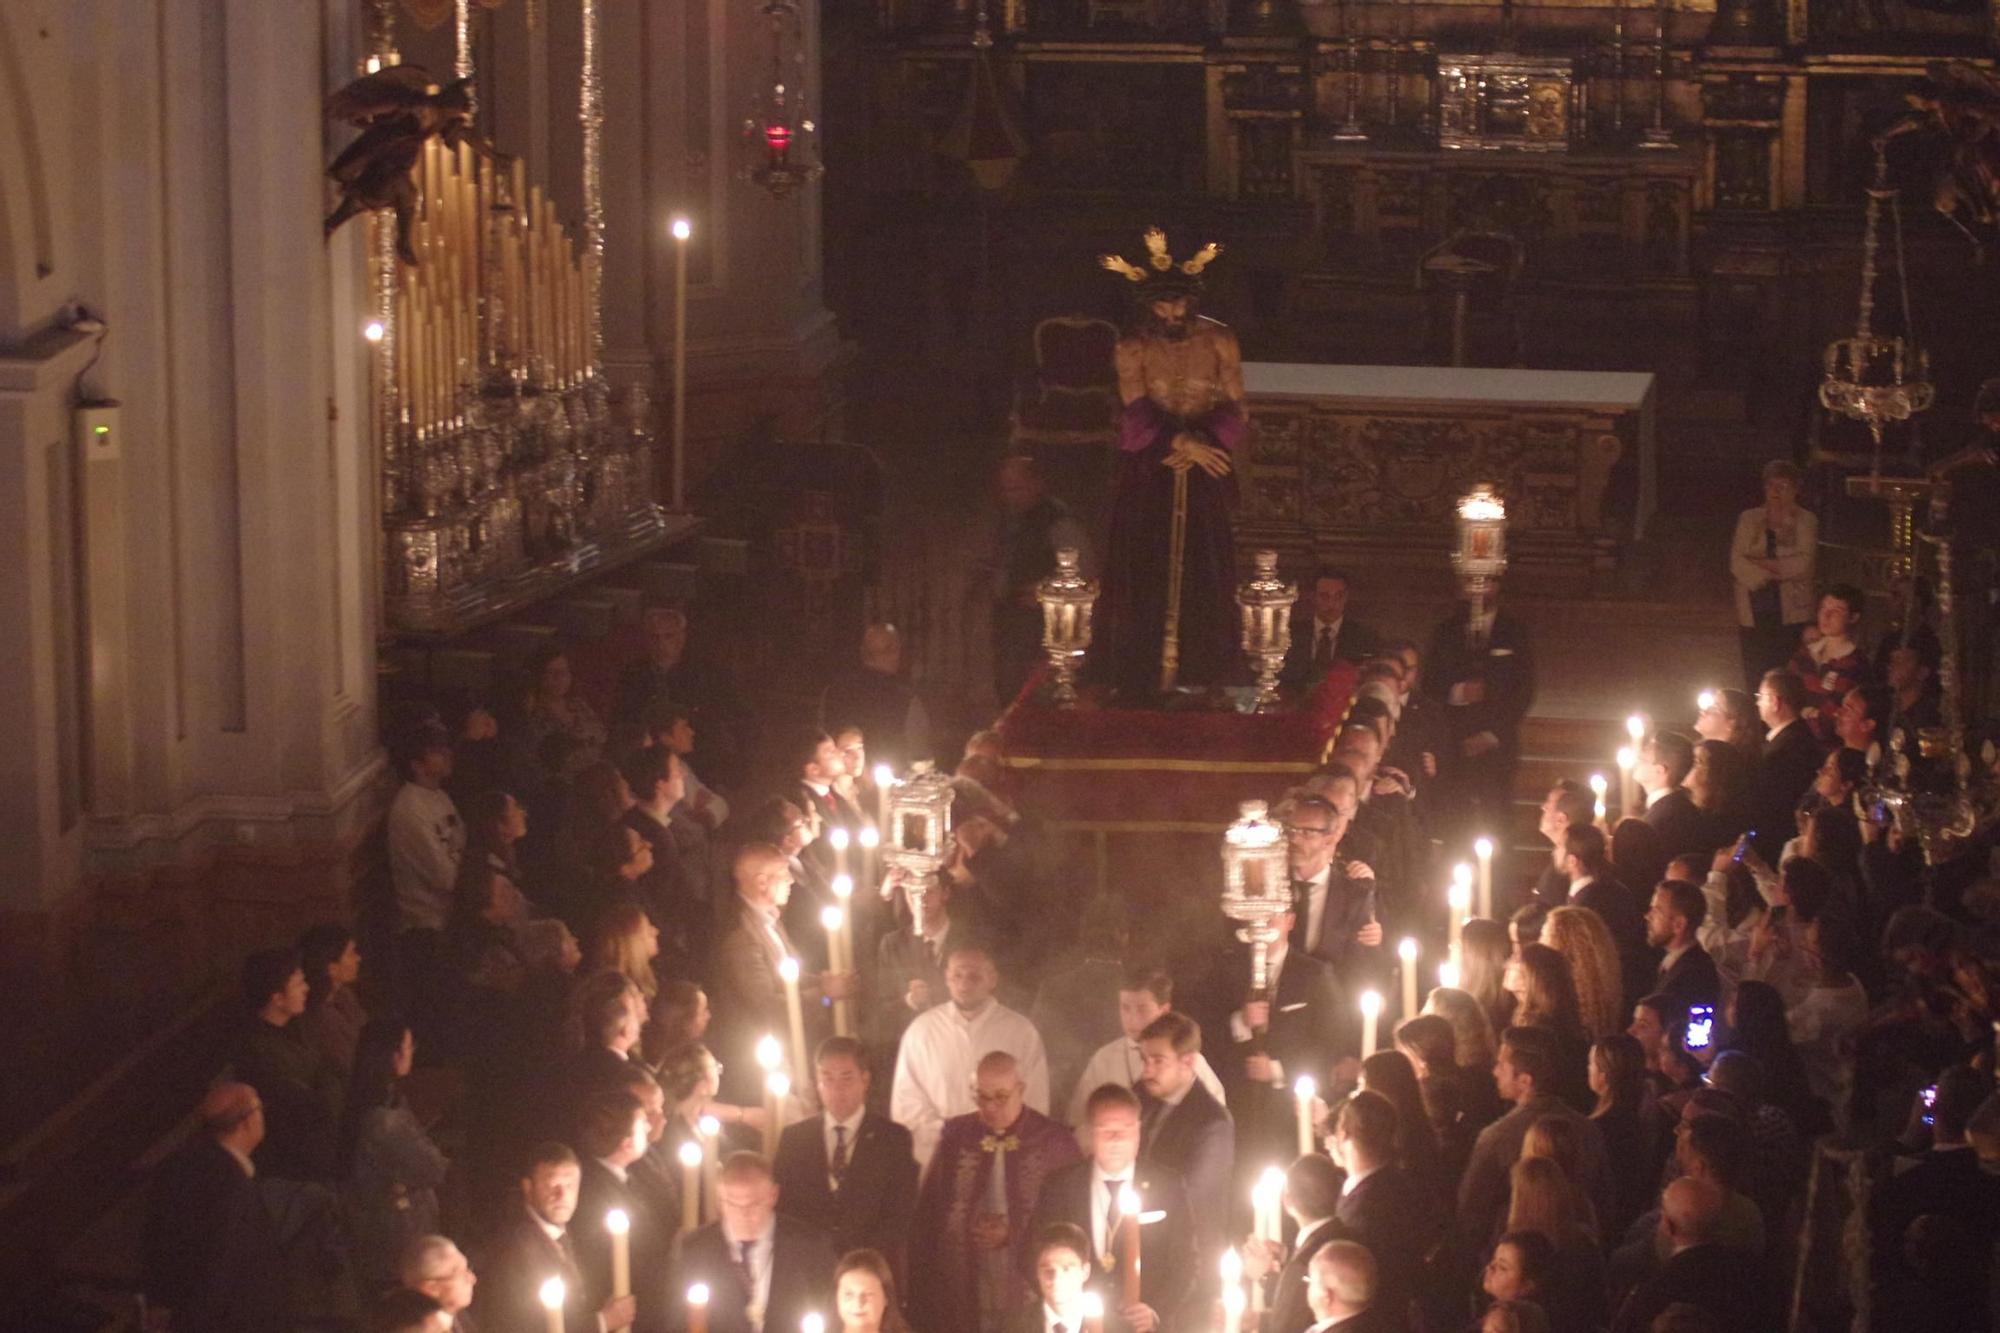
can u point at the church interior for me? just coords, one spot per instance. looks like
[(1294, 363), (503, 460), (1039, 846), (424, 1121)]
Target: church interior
[(361, 358)]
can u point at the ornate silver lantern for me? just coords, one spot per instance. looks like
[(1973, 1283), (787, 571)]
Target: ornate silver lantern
[(1481, 555), (1067, 599), (919, 829), (1256, 885), (1266, 605)]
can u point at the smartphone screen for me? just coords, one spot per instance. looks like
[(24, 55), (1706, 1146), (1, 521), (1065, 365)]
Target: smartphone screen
[(1701, 1026), (1930, 1100), (1742, 849)]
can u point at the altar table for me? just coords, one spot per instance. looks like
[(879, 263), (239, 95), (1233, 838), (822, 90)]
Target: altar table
[(1365, 464)]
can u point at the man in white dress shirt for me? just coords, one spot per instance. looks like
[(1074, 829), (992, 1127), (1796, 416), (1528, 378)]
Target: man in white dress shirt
[(943, 1046), (1145, 994)]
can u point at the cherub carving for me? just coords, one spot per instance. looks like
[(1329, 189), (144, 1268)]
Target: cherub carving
[(397, 110), (1960, 102)]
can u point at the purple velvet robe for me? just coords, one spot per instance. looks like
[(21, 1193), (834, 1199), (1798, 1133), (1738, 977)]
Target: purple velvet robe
[(944, 1261), (1131, 613)]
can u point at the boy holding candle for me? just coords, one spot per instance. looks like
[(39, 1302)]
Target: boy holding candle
[(1062, 1277)]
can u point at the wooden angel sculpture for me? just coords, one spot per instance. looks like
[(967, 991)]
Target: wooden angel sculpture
[(397, 110), (1960, 103)]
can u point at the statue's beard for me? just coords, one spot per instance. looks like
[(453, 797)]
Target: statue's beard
[(1175, 330)]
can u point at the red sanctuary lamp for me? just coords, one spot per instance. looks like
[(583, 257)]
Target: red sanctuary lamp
[(777, 128)]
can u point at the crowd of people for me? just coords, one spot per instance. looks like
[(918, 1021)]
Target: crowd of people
[(1011, 1110)]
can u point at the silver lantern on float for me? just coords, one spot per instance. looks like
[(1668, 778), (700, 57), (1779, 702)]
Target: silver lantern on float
[(1068, 599), (1265, 602)]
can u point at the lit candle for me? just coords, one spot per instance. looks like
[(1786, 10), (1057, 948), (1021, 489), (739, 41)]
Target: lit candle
[(553, 1293), (1459, 899), (682, 231), (837, 838), (1371, 1014), (1448, 974), (1267, 1196), (711, 1161), (620, 1227), (1406, 950), (1482, 851), (1598, 786), (795, 1017), (691, 1156), (835, 922), (1705, 700), (698, 1308), (1128, 1241), (813, 1323), (870, 839), (1305, 1090), (1232, 1289), (885, 777), (777, 1087), (1628, 759), (1092, 1306)]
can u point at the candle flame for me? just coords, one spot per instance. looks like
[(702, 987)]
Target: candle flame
[(1628, 759), (1483, 849), (831, 917), (698, 1294), (778, 1083), (812, 1323), (681, 229), (788, 969), (618, 1222), (1232, 1296), (1269, 1186), (1128, 1201), (1232, 1266), (1448, 975), (1406, 949), (871, 837), (769, 1053), (1305, 1089), (843, 887), (372, 330), (837, 838), (691, 1153), (553, 1294), (1705, 700), (884, 775), (1635, 727), (1092, 1305), (709, 1126), (1461, 874), (1599, 785), (1371, 1003), (1460, 898)]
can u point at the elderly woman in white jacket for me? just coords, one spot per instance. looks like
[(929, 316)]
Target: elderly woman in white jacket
[(1771, 558)]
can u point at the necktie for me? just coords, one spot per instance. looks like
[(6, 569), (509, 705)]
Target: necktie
[(838, 1166), (1301, 913), (1323, 648), (1111, 1220), (744, 1270)]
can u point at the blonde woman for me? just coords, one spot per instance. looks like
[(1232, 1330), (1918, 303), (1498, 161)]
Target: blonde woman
[(1581, 937), (1574, 1293), (627, 942), (1561, 1141), (1484, 949), (1771, 558), (1472, 1031)]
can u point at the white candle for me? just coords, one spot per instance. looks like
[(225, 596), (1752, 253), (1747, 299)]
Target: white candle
[(711, 1161), (553, 1293), (884, 778), (1092, 1306), (1459, 900), (1705, 700), (1598, 786), (620, 1227), (788, 972), (691, 1156), (1371, 1014), (698, 1308), (838, 839), (1305, 1090), (813, 1323), (777, 1087), (1267, 1196), (1482, 850), (835, 920), (1448, 974), (682, 231), (1628, 759), (1232, 1292), (843, 893), (1406, 950)]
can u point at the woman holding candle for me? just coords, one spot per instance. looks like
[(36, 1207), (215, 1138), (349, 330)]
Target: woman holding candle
[(864, 1294), (691, 1077)]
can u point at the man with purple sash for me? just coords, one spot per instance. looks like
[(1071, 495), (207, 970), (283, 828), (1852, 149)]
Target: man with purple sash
[(969, 1239), (1167, 614)]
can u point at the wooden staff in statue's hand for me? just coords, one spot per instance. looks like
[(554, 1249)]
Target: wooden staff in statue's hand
[(398, 110)]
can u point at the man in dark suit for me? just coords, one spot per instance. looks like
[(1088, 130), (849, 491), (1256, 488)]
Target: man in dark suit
[(909, 966), (1322, 632), (1184, 1130), (1300, 1028), (1338, 916), (1785, 771), (1311, 1195), (816, 764), (1481, 671), (1062, 1274), (534, 1246), (297, 1090), (748, 990), (1568, 804), (848, 1171), (1699, 1272), (612, 1135), (210, 1257), (724, 726), (1524, 1067), (1587, 864), (753, 1255), (674, 892), (1665, 760), (1341, 1287), (1381, 1205), (1090, 1195), (1687, 975)]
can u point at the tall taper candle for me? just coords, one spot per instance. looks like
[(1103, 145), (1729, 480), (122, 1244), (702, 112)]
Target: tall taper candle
[(1304, 1090), (682, 231), (788, 972), (620, 1226), (1598, 786), (1092, 1306), (698, 1308), (553, 1293), (691, 1156), (1371, 1018), (835, 921), (885, 778), (1128, 1242), (1406, 953), (777, 1087), (1482, 852), (710, 1130)]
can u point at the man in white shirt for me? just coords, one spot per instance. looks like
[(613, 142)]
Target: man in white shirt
[(1147, 993), (1326, 635), (1311, 1193), (943, 1046), (426, 836), (1062, 1270)]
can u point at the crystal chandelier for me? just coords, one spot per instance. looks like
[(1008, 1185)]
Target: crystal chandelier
[(1868, 377), (778, 130)]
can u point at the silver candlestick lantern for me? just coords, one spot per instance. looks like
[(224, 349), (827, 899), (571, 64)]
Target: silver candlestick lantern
[(1265, 602), (1480, 557), (919, 830), (1067, 599), (1256, 886)]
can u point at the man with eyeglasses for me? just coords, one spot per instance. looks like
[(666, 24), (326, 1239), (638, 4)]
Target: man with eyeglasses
[(969, 1239), (212, 1257), (1337, 917)]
